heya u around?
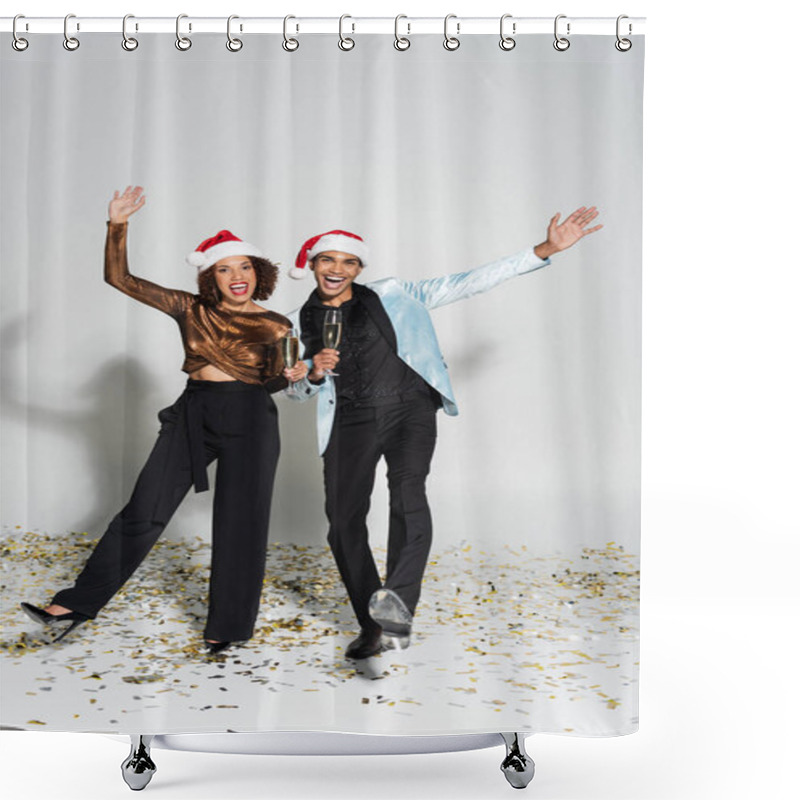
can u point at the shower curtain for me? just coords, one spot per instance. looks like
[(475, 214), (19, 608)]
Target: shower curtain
[(443, 162)]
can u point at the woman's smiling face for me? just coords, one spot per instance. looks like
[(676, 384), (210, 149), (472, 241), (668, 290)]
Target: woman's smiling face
[(236, 280)]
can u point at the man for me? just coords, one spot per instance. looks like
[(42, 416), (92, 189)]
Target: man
[(382, 402)]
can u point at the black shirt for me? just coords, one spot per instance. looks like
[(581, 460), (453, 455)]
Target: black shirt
[(369, 370)]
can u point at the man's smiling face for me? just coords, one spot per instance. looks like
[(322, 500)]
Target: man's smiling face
[(335, 272)]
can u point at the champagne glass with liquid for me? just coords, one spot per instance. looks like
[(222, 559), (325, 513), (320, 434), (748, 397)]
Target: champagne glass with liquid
[(290, 350), (332, 332)]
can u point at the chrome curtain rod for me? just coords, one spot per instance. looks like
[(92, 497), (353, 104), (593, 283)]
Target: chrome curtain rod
[(459, 26)]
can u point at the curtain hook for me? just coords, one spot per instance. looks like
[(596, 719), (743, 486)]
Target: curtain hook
[(507, 42), (182, 42), (451, 42), (289, 44), (401, 42), (18, 43), (561, 43), (129, 43), (70, 42), (345, 42), (623, 45), (234, 45)]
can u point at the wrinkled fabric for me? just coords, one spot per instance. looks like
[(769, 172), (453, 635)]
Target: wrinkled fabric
[(244, 346)]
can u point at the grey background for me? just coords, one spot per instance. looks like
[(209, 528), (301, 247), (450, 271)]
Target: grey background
[(442, 161)]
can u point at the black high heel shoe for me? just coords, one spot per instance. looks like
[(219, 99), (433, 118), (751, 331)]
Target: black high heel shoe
[(47, 619), (212, 648)]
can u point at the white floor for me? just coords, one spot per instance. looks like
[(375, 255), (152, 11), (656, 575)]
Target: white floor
[(509, 640)]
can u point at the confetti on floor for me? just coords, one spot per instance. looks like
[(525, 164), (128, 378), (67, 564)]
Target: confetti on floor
[(509, 640)]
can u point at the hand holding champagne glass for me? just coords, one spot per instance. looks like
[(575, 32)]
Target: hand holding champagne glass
[(290, 349), (332, 332)]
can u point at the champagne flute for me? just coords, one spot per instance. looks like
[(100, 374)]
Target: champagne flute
[(290, 350), (332, 332)]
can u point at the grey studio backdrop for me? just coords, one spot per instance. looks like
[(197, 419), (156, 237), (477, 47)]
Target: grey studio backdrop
[(443, 161)]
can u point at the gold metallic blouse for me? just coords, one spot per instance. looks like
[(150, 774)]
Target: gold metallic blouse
[(244, 346)]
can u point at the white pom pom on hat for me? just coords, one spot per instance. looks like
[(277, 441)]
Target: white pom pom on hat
[(221, 245), (342, 241), (196, 259)]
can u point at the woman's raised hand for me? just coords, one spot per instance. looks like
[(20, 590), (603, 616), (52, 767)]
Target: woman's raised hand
[(125, 204)]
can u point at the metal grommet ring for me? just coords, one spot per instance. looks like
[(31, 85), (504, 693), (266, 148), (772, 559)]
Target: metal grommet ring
[(401, 42), (128, 42), (70, 42), (18, 43), (623, 45), (233, 44), (345, 42), (182, 42), (561, 43), (451, 42), (507, 42), (289, 44)]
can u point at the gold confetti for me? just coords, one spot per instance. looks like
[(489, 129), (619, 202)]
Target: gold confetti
[(547, 611)]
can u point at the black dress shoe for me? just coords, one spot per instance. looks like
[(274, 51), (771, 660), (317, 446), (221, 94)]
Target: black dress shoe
[(47, 619), (212, 648), (368, 643)]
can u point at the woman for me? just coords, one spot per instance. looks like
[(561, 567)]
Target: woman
[(234, 361)]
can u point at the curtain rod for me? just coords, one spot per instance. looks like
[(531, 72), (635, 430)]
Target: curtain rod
[(461, 26)]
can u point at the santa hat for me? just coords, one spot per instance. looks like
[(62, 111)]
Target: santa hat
[(221, 245), (343, 241)]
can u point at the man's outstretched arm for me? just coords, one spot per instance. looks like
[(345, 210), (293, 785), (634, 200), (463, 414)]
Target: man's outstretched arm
[(435, 292), (570, 231)]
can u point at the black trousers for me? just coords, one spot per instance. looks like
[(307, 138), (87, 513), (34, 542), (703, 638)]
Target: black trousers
[(404, 433), (235, 424)]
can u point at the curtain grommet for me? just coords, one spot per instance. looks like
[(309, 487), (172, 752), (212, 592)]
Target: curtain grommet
[(561, 43), (129, 43), (233, 44), (289, 43), (507, 42), (18, 42), (346, 43), (401, 43), (183, 43), (451, 43), (70, 43), (622, 44)]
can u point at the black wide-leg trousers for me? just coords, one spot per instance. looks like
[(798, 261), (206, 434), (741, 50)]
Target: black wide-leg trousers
[(235, 424), (404, 434)]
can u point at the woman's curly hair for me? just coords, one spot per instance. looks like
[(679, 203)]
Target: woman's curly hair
[(266, 278)]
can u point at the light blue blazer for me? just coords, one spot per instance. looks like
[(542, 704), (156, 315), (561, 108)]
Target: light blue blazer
[(407, 304)]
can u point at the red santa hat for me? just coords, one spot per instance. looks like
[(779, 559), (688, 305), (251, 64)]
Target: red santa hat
[(221, 245), (342, 241)]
